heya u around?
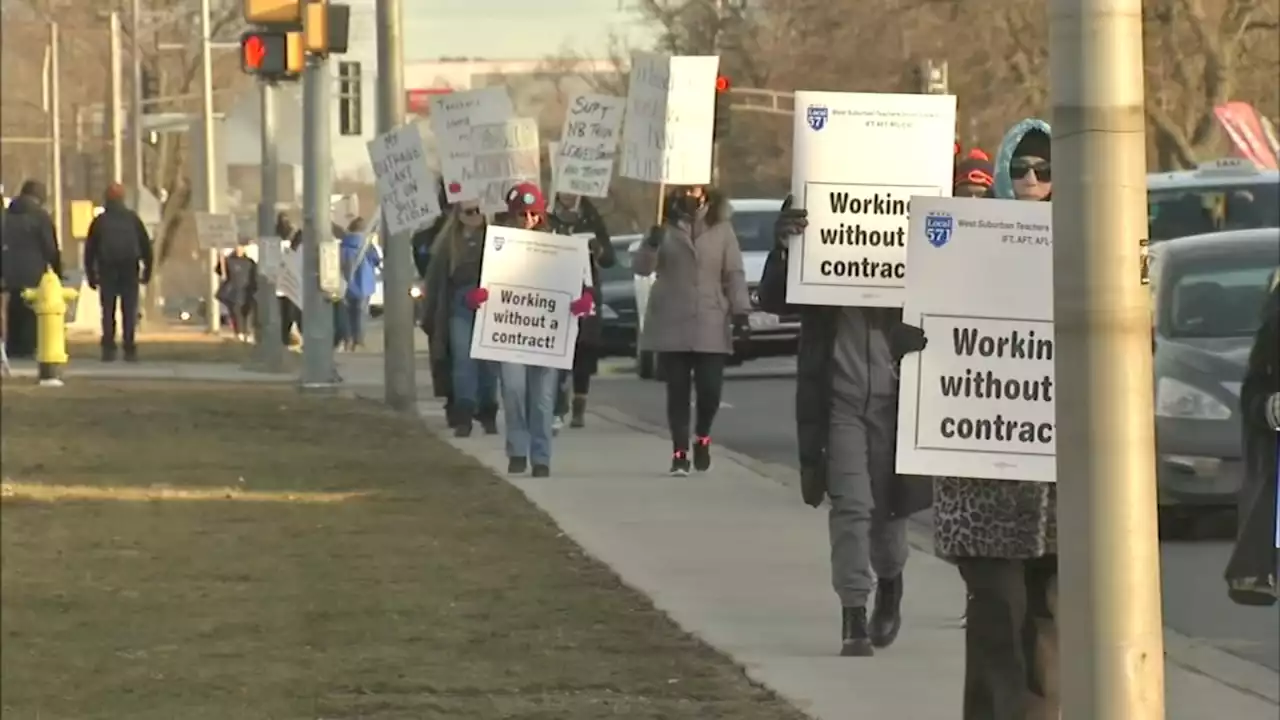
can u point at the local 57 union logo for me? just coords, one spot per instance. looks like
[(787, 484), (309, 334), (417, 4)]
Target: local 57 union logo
[(938, 227), (817, 116)]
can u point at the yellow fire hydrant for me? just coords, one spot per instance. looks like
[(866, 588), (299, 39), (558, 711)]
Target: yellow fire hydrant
[(49, 302)]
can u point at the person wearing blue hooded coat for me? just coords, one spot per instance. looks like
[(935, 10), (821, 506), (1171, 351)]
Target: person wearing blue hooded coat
[(359, 268), (1003, 534)]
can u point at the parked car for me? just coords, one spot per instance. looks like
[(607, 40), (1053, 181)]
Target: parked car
[(1226, 194), (1208, 293), (770, 334), (619, 324)]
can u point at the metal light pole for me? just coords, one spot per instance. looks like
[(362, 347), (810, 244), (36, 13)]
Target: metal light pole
[(1109, 562), (317, 181), (269, 350), (135, 110), (55, 133), (399, 374), (210, 160), (117, 124)]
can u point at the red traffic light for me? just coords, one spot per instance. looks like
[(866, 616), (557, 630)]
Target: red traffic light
[(255, 50), (722, 84)]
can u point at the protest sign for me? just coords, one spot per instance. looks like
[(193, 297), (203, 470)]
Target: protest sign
[(589, 144), (553, 157), (406, 185), (504, 154), (216, 231), (978, 401), (269, 257), (531, 278), (289, 283), (857, 160), (670, 116), (452, 116)]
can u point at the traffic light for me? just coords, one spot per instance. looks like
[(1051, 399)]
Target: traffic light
[(272, 54), (273, 12), (723, 113)]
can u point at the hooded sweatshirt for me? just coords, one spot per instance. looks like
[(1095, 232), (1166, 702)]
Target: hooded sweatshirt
[(30, 244)]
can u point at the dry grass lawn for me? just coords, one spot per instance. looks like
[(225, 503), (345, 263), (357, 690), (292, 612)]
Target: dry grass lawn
[(190, 552), (171, 347)]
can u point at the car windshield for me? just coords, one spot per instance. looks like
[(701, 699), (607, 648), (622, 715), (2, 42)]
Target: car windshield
[(1210, 208), (1218, 299), (754, 229)]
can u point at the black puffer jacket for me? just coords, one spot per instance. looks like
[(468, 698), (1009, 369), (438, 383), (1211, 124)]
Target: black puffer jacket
[(29, 244), (600, 246)]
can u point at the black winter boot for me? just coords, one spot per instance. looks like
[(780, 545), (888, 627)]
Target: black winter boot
[(886, 619), (579, 417), (855, 640), (463, 415), (488, 417)]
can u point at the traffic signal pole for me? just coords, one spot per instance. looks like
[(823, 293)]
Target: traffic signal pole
[(210, 162), (269, 349), (1110, 624), (317, 183), (399, 374)]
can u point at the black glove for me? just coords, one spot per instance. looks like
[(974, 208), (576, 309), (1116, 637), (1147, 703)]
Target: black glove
[(904, 338), (791, 221), (92, 280), (741, 326), (654, 238)]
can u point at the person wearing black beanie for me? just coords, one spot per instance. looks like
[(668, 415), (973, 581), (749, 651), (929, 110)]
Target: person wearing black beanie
[(974, 176)]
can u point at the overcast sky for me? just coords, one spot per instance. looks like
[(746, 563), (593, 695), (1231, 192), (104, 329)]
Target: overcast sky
[(514, 29)]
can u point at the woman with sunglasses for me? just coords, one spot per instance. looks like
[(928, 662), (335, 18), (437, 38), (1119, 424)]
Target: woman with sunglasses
[(529, 391), (453, 294), (570, 215), (1003, 534), (697, 305)]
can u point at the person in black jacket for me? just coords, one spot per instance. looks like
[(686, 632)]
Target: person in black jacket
[(118, 260), (30, 247), (570, 215), (846, 427)]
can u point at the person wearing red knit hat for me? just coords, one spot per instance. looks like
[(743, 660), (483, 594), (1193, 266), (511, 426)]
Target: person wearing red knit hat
[(529, 391), (974, 176)]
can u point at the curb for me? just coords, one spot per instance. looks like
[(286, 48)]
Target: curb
[(1183, 651)]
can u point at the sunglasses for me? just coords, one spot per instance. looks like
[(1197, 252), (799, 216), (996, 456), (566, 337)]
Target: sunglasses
[(1019, 169), (471, 211)]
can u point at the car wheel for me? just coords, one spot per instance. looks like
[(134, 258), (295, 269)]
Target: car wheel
[(645, 365), (1177, 523), (375, 311)]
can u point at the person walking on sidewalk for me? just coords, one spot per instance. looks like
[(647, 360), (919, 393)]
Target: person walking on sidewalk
[(453, 294), (118, 260), (360, 262), (239, 275), (573, 214), (290, 314), (1003, 534), (29, 246), (529, 391), (846, 425), (697, 305)]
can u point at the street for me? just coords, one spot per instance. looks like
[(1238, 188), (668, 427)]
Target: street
[(756, 419)]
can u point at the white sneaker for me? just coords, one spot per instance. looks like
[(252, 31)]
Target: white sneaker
[(557, 425)]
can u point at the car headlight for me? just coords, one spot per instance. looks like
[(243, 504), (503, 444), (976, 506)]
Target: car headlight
[(608, 313), (415, 292), (1176, 399)]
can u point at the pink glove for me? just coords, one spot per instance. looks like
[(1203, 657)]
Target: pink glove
[(583, 305), (476, 298)]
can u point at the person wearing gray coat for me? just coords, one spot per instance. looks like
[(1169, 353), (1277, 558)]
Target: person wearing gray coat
[(697, 305)]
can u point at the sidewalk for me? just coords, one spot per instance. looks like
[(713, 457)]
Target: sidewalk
[(736, 559)]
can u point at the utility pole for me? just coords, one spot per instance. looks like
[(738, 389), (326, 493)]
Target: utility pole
[(135, 109), (269, 349), (399, 373), (717, 149), (210, 161), (1110, 625), (117, 140), (55, 133), (317, 180)]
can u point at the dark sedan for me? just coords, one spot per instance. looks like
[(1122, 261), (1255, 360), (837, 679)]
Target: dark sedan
[(619, 322), (1208, 293)]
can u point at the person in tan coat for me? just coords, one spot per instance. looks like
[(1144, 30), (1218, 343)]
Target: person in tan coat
[(698, 303)]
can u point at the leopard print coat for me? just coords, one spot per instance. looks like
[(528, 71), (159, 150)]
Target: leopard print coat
[(994, 518)]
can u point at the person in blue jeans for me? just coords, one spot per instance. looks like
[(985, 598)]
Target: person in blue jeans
[(359, 268), (529, 391), (453, 294)]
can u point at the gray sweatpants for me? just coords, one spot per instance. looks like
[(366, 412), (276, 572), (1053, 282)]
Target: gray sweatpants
[(864, 544)]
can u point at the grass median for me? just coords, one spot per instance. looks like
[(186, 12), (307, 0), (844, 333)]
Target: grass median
[(174, 347), (216, 552)]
